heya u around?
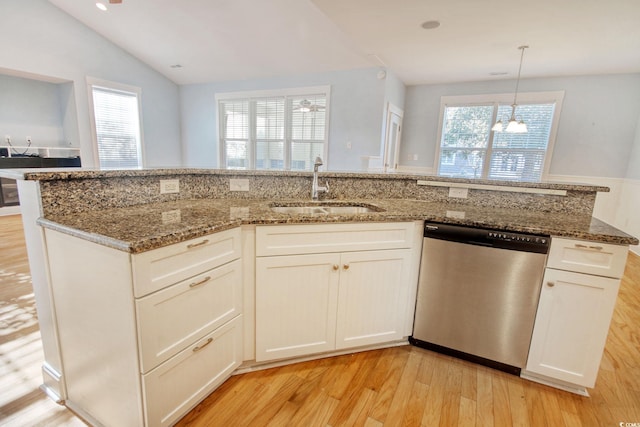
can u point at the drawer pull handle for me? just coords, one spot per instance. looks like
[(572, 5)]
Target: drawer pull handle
[(200, 347), (550, 284), (597, 248), (195, 245), (346, 266), (201, 282), (336, 267)]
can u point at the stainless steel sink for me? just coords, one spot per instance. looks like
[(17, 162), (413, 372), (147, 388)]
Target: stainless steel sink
[(324, 209)]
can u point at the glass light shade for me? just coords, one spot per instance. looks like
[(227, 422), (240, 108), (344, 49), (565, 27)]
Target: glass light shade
[(497, 127), (516, 127)]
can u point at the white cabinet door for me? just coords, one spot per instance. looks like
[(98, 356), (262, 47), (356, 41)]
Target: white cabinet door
[(571, 326), (372, 297), (296, 303)]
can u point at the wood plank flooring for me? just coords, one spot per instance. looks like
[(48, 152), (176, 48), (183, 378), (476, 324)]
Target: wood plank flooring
[(401, 386)]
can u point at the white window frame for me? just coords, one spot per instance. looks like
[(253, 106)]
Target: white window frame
[(115, 86), (287, 93), (504, 99)]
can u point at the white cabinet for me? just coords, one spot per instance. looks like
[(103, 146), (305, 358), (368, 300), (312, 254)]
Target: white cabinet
[(372, 297), (574, 313), (150, 334), (296, 303), (310, 298)]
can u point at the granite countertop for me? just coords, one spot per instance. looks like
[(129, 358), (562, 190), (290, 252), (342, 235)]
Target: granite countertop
[(51, 174), (141, 228)]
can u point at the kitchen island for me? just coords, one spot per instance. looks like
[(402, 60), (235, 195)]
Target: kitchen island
[(100, 228)]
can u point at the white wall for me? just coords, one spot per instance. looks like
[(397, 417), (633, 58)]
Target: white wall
[(38, 38), (357, 103), (628, 214), (597, 122), (31, 108)]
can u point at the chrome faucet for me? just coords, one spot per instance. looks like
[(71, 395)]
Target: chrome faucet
[(315, 190)]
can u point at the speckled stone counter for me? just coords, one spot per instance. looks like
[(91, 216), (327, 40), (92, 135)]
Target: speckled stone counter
[(145, 227), (125, 209)]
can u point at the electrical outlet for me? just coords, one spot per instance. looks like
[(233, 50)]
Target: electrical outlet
[(238, 184), (460, 193), (168, 186), (171, 217), (455, 214)]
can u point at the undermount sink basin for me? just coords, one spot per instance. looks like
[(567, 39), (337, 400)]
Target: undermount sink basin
[(324, 209)]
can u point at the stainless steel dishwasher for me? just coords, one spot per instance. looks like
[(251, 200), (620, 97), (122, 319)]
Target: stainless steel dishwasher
[(478, 293)]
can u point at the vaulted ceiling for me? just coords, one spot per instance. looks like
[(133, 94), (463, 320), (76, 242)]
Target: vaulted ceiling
[(194, 41)]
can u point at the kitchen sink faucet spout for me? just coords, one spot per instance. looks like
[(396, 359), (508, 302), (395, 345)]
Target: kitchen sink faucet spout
[(315, 189)]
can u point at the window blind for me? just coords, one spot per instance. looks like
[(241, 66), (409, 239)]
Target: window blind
[(117, 121), (520, 156), (235, 133), (269, 130), (308, 130), (276, 132)]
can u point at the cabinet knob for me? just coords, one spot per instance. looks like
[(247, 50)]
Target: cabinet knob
[(336, 267), (550, 284), (345, 267)]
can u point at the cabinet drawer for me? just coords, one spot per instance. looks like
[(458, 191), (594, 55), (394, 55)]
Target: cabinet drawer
[(324, 238), (162, 267), (175, 317), (181, 382), (601, 259)]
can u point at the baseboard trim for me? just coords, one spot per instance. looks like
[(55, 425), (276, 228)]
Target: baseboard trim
[(10, 210), (252, 365), (571, 388), (53, 384)]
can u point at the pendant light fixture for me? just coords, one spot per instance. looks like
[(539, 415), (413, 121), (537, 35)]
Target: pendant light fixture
[(514, 126)]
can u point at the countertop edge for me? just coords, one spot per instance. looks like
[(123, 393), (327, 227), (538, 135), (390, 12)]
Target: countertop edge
[(161, 240)]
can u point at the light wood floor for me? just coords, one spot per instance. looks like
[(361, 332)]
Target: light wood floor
[(398, 386)]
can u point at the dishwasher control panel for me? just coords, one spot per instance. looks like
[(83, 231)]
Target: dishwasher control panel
[(518, 237), (487, 237)]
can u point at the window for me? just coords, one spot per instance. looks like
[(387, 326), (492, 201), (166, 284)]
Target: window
[(469, 149), (116, 125), (284, 130)]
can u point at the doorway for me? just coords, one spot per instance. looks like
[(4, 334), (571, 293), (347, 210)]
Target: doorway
[(392, 137)]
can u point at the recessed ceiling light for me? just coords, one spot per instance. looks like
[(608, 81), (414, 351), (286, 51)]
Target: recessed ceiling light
[(101, 6), (430, 25), (175, 66)]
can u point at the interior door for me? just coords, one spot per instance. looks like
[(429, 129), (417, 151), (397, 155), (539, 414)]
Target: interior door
[(392, 137)]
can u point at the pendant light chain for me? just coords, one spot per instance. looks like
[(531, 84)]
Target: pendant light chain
[(515, 96)]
